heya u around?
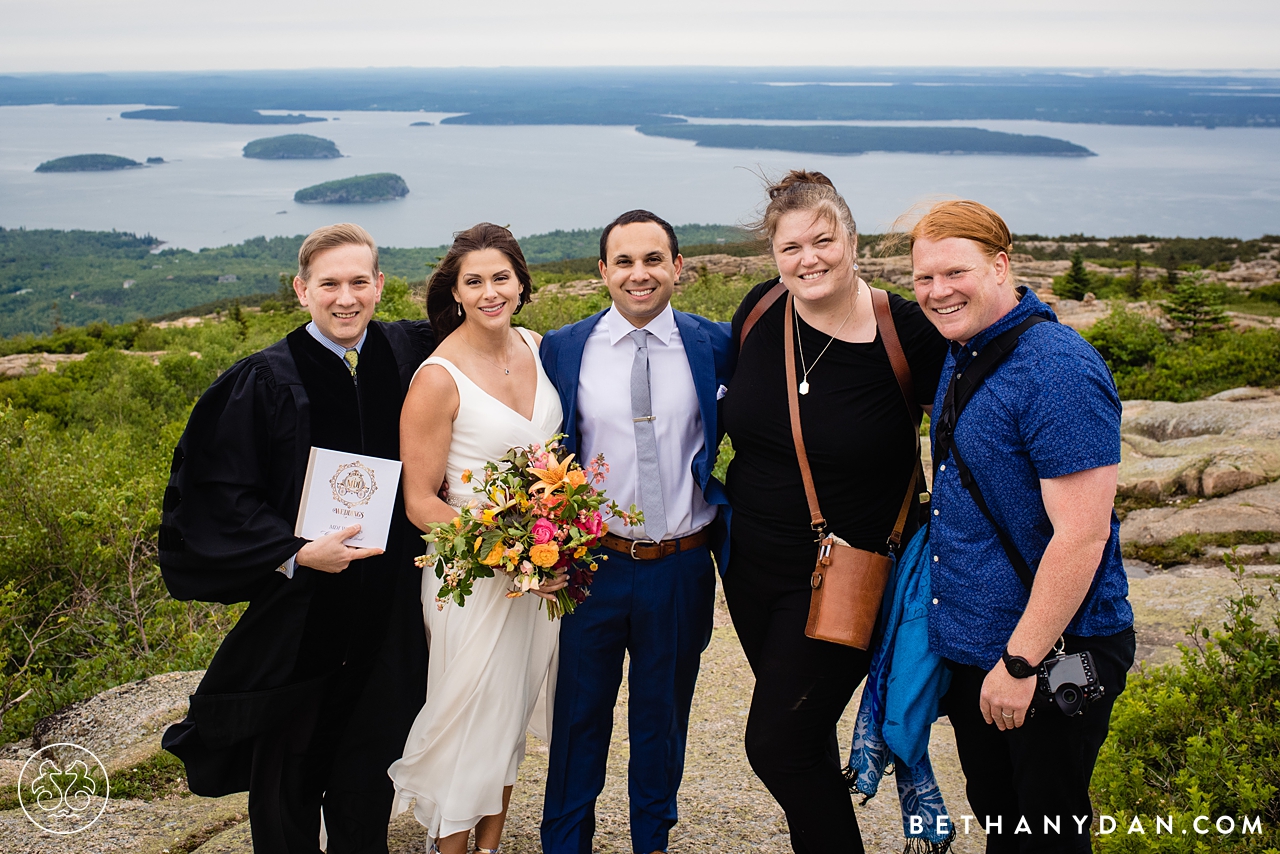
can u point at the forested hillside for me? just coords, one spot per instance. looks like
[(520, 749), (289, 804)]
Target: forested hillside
[(56, 279)]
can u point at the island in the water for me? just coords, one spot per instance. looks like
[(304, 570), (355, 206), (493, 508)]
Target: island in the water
[(87, 163), (292, 146), (378, 187), (844, 139), (154, 161), (420, 125), (218, 115)]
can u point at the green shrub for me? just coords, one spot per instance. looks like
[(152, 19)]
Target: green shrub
[(1199, 739), (1266, 293), (1126, 339), (1206, 365)]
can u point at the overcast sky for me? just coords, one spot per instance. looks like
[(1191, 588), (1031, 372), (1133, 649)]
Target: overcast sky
[(129, 35)]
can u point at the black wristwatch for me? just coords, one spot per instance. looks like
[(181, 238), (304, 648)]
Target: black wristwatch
[(1018, 667)]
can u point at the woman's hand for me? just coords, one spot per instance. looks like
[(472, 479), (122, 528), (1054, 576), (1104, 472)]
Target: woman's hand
[(547, 589)]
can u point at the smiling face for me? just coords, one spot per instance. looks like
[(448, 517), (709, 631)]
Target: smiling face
[(815, 255), (342, 292), (639, 270), (487, 288), (960, 288)]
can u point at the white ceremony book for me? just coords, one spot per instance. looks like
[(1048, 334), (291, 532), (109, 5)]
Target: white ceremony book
[(344, 489)]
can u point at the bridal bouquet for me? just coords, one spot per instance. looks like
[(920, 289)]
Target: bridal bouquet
[(534, 515)]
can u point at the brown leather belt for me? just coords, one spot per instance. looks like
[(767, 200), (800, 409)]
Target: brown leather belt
[(649, 550)]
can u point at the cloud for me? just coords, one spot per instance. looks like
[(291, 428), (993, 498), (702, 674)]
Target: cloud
[(89, 35)]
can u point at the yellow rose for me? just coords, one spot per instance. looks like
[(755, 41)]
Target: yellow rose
[(495, 555), (545, 554)]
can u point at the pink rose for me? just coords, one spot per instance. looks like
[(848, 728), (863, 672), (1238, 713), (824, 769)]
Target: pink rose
[(544, 531), (592, 524)]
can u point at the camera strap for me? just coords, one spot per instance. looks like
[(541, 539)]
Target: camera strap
[(959, 392)]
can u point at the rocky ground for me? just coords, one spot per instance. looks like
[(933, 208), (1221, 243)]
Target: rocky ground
[(1204, 468), (723, 807)]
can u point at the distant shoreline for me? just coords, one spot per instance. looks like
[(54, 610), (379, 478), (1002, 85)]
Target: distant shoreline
[(845, 139)]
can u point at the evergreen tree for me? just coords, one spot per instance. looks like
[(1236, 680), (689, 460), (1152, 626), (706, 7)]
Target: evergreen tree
[(1195, 307), (1077, 282)]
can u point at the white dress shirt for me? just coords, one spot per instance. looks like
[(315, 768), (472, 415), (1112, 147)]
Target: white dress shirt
[(605, 425)]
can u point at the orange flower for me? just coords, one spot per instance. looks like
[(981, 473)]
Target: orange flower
[(576, 478), (495, 555), (545, 554), (466, 476), (553, 477)]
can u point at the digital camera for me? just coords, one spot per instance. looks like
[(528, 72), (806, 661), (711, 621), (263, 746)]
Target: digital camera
[(1069, 682)]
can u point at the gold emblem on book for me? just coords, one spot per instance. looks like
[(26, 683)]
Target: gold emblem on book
[(353, 484)]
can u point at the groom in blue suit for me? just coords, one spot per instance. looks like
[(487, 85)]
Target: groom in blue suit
[(639, 383)]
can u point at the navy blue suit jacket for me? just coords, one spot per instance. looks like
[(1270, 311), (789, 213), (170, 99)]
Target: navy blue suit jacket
[(708, 346)]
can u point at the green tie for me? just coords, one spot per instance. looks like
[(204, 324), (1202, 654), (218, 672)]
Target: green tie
[(352, 358)]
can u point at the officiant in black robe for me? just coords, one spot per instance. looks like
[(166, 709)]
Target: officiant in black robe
[(311, 695)]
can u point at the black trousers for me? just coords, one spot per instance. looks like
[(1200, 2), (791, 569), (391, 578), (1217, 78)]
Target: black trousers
[(333, 751), (1040, 771), (802, 688)]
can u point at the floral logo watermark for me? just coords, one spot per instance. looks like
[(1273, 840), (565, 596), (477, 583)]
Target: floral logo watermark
[(63, 788)]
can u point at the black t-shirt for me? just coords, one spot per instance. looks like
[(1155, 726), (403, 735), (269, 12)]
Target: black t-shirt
[(857, 432)]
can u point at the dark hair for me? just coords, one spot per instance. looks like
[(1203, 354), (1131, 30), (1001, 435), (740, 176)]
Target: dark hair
[(800, 190), (442, 308), (639, 216)]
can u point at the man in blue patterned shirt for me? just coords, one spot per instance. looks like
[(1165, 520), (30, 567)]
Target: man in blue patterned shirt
[(1040, 436)]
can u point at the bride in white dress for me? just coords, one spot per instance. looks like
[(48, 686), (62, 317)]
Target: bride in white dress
[(492, 662)]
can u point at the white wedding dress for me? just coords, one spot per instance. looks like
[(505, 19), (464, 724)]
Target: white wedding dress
[(491, 672)]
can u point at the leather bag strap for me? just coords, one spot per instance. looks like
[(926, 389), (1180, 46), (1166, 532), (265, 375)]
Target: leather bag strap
[(893, 346), (902, 371), (883, 322), (758, 310), (816, 521)]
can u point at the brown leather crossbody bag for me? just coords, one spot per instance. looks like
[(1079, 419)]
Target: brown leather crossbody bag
[(848, 583)]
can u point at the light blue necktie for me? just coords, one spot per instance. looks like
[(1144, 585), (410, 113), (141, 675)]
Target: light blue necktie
[(649, 478)]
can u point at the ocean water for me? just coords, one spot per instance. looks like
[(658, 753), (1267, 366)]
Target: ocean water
[(1151, 180)]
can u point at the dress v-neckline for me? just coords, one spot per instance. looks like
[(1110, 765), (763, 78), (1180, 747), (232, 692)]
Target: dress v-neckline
[(537, 385)]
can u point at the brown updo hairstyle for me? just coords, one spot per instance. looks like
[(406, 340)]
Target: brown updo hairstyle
[(442, 307), (961, 218), (800, 190)]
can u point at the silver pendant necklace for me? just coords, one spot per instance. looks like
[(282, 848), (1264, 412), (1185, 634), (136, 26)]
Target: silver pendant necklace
[(805, 369), (506, 370)]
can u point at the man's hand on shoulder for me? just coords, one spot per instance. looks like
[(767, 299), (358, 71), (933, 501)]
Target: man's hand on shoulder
[(328, 554)]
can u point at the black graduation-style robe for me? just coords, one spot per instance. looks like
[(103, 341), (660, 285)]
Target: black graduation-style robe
[(229, 513)]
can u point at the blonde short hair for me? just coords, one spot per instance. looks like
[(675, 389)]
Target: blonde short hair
[(330, 237)]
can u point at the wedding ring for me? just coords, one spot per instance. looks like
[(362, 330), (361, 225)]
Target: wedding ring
[(1005, 715)]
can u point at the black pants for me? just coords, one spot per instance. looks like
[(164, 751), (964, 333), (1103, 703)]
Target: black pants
[(333, 752), (287, 783), (1039, 771), (802, 688)]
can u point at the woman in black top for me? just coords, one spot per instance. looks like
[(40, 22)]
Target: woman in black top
[(859, 438)]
